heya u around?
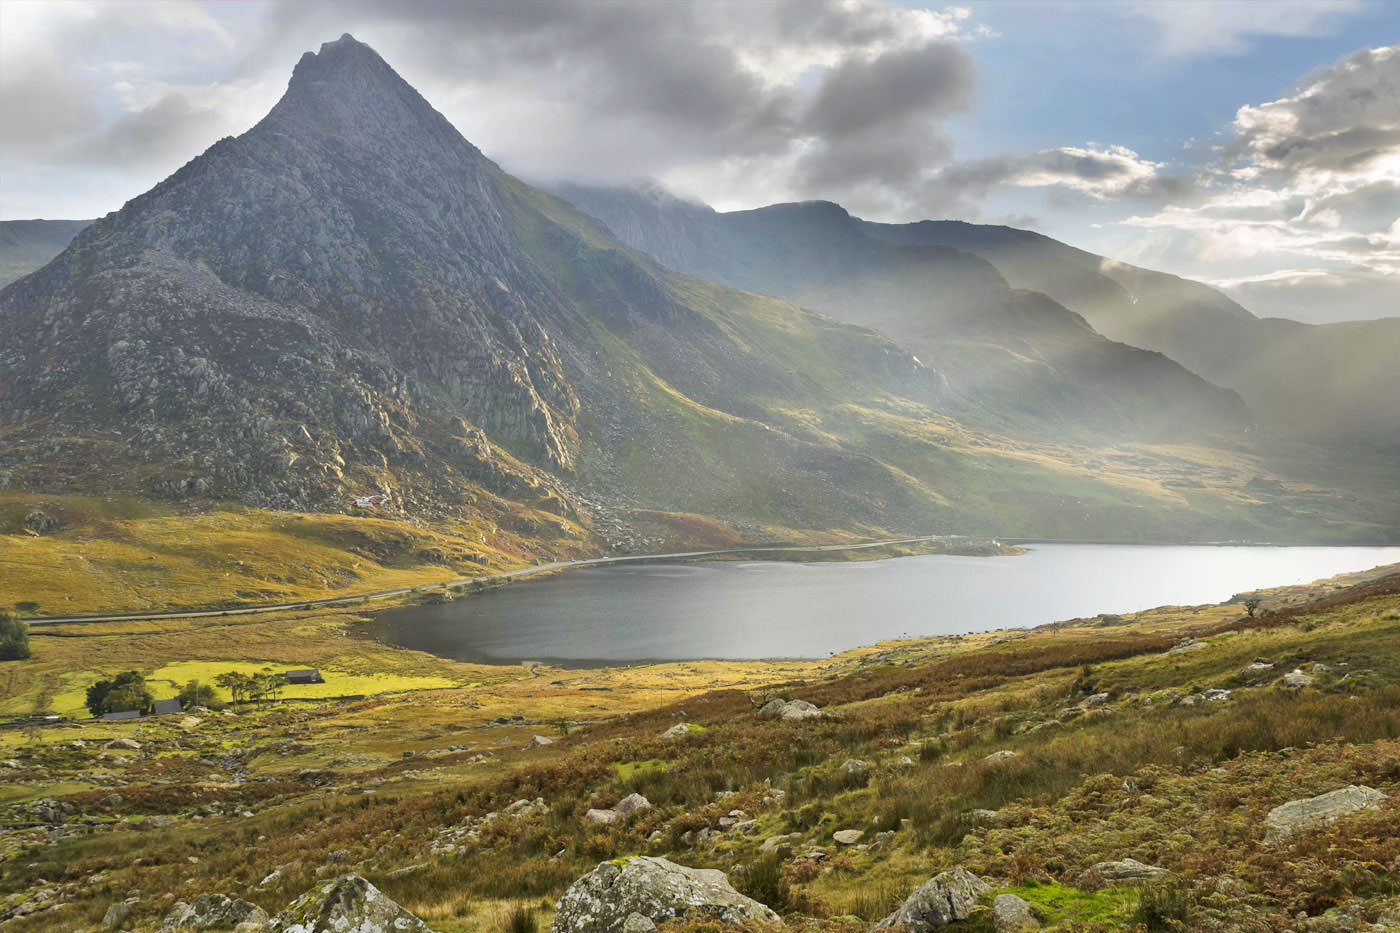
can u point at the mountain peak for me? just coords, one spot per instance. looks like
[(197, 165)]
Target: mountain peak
[(347, 90)]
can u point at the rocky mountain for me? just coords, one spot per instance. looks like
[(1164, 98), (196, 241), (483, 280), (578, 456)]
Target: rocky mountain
[(1014, 356), (352, 298), (25, 245)]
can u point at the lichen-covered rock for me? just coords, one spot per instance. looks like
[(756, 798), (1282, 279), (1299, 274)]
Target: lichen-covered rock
[(847, 837), (679, 731), (1105, 874), (215, 912), (603, 900), (790, 710), (1012, 914), (636, 923), (941, 900), (118, 914), (854, 767), (349, 904), (1323, 810)]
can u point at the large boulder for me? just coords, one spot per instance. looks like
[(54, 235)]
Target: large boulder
[(215, 912), (1122, 871), (659, 890), (1011, 914), (790, 710), (943, 899), (1323, 810), (349, 904)]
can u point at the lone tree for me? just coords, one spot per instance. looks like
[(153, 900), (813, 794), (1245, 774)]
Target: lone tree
[(1251, 604), (126, 691), (14, 637)]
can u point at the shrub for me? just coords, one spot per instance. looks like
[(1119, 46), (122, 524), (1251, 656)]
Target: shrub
[(1163, 906), (14, 638), (763, 881), (521, 919)]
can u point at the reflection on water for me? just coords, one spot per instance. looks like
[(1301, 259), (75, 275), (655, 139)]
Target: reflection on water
[(757, 609)]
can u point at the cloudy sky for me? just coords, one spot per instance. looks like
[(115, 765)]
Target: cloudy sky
[(1252, 145)]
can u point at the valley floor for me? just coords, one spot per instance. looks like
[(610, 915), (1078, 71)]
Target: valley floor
[(1165, 736)]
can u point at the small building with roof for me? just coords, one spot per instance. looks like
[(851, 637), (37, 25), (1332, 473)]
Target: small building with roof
[(305, 676)]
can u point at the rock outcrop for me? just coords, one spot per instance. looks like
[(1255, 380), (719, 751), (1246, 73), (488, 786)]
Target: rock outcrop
[(1011, 914), (215, 912), (348, 903), (604, 900), (790, 710), (1312, 813), (943, 899)]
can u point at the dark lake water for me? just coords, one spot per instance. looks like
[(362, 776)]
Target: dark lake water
[(759, 609)]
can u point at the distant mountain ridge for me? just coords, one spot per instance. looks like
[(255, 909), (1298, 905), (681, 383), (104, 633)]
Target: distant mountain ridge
[(351, 298), (1022, 359), (26, 245), (1332, 383)]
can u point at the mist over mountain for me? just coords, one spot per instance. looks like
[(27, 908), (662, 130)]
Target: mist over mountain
[(351, 297), (1302, 382)]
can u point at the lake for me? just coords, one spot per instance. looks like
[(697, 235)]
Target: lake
[(763, 609)]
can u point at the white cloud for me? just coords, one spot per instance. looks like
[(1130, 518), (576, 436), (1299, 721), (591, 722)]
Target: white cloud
[(1311, 182), (1186, 28)]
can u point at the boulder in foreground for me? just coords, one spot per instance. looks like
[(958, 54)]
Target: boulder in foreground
[(657, 889), (943, 899), (349, 904), (1323, 810), (215, 912)]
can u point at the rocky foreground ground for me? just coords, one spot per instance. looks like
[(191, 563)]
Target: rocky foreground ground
[(1206, 768)]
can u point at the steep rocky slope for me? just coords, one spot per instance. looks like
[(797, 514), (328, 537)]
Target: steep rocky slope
[(351, 295)]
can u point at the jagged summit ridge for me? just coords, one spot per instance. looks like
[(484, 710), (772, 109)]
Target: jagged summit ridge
[(349, 91)]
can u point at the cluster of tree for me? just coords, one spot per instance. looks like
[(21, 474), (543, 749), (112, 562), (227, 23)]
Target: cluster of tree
[(126, 691), (195, 693), (14, 637), (252, 688)]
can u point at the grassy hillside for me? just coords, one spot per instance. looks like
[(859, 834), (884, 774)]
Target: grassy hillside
[(1118, 753)]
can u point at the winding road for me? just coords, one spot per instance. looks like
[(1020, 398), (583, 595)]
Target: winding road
[(485, 578)]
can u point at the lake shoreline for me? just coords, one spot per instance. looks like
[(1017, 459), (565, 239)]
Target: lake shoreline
[(762, 609)]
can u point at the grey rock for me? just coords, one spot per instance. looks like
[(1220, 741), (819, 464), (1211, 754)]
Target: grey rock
[(679, 731), (1297, 679), (1128, 869), (790, 710), (1011, 914), (943, 899), (603, 900), (215, 912), (630, 805), (1317, 812), (1001, 757), (601, 817), (348, 904), (854, 767), (540, 740), (847, 837), (637, 923), (118, 914)]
